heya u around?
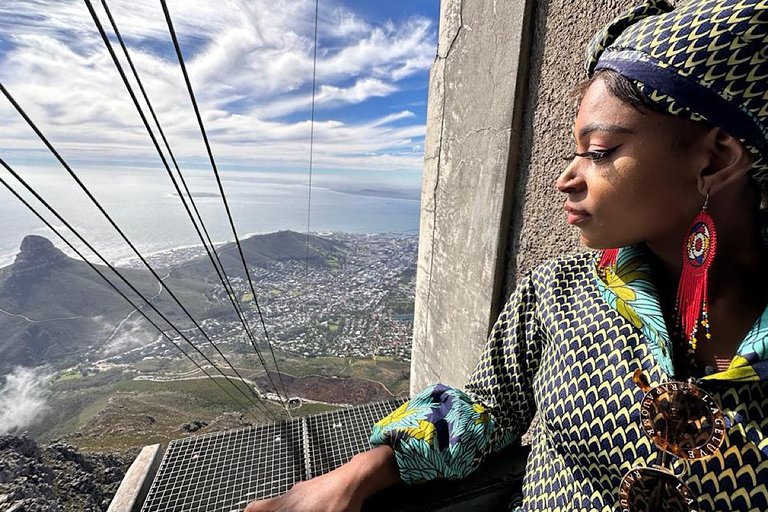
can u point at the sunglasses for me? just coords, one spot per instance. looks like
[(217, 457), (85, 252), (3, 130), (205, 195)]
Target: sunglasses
[(684, 421)]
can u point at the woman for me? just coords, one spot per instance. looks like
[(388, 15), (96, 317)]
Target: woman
[(670, 149)]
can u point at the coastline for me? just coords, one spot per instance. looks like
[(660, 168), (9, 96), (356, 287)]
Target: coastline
[(193, 251)]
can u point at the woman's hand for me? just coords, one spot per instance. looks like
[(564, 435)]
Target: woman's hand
[(328, 493), (342, 490)]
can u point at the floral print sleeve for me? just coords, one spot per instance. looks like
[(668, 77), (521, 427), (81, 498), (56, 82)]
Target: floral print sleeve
[(444, 432)]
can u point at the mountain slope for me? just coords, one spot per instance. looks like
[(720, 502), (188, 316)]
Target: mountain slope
[(260, 250), (53, 308), (57, 310)]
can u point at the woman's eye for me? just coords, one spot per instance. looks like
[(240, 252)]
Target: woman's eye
[(594, 155)]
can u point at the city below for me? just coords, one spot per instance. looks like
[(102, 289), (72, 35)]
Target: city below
[(359, 307)]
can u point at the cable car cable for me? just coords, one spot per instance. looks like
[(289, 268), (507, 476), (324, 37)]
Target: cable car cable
[(312, 136), (218, 181), (114, 224), (212, 255)]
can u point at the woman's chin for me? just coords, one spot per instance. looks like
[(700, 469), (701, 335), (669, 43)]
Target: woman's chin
[(594, 244)]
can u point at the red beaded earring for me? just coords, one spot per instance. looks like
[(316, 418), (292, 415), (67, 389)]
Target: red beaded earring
[(608, 259), (698, 253)]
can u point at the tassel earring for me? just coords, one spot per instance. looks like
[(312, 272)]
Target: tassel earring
[(608, 259), (698, 253)]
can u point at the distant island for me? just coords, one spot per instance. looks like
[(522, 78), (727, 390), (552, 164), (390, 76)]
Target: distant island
[(392, 193), (197, 194)]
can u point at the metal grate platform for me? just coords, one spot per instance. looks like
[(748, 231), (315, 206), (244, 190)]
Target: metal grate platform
[(225, 471)]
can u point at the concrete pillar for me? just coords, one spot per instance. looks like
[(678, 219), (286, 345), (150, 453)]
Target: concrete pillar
[(477, 84)]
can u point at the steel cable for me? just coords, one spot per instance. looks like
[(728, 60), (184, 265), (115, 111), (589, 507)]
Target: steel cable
[(117, 228), (211, 253), (312, 135), (218, 181)]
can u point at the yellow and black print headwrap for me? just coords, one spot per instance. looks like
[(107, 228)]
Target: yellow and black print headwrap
[(705, 60)]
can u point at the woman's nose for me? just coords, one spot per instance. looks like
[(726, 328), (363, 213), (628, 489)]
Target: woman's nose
[(570, 180)]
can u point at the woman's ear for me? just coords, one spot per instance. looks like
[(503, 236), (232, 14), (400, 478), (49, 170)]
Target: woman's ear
[(729, 162)]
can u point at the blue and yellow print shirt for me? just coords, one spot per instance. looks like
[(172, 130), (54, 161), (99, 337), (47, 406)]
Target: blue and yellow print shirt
[(566, 345)]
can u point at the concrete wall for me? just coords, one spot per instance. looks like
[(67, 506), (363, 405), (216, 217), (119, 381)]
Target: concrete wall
[(497, 125), (135, 486)]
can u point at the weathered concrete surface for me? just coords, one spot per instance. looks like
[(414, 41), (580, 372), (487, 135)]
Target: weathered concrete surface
[(135, 485), (490, 211), (562, 29), (473, 89)]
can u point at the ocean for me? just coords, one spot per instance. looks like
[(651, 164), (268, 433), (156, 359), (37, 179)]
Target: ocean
[(146, 207)]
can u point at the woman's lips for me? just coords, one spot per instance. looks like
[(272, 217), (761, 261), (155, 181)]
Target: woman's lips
[(575, 215)]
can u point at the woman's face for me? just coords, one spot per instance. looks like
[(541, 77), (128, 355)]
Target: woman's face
[(644, 187)]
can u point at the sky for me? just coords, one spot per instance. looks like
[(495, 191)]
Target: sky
[(251, 66)]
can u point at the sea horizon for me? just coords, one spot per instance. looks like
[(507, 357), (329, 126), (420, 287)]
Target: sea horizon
[(147, 208)]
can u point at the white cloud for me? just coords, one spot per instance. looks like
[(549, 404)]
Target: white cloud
[(327, 96), (405, 114), (361, 91), (131, 333), (23, 398), (346, 24), (250, 62)]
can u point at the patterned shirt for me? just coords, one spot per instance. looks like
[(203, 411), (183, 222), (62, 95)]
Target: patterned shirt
[(566, 345)]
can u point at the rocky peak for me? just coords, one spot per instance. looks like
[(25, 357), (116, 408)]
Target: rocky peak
[(37, 253)]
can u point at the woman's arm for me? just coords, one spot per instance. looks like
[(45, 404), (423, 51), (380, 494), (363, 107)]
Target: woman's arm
[(342, 490), (443, 432)]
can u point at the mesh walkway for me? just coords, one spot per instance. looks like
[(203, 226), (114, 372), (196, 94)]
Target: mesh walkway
[(223, 472)]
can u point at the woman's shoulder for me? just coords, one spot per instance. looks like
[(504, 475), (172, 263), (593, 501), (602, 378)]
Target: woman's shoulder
[(568, 270), (572, 274), (565, 280)]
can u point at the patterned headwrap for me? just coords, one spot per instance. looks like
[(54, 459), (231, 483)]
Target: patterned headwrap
[(706, 60)]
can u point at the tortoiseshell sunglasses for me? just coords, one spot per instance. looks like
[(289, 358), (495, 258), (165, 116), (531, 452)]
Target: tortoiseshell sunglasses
[(684, 421)]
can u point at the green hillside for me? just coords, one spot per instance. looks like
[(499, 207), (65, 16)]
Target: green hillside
[(260, 250)]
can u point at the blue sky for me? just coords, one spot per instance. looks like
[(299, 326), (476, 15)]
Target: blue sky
[(250, 63)]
